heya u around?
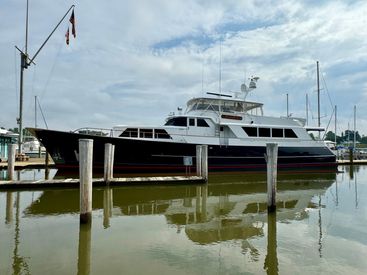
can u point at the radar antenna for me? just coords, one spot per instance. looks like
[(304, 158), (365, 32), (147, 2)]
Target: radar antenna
[(252, 86)]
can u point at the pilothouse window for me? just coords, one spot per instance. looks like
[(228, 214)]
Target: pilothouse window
[(250, 131), (276, 132), (202, 123), (146, 133), (289, 133), (264, 132), (130, 132), (177, 121)]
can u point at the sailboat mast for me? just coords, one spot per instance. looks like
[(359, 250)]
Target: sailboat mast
[(306, 109), (23, 65), (318, 96), (354, 140), (35, 111), (335, 123)]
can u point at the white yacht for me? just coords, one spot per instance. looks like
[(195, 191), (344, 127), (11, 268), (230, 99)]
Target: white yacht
[(235, 130)]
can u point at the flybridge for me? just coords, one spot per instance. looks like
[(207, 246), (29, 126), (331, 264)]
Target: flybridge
[(224, 105)]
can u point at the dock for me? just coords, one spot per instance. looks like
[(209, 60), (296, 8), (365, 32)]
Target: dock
[(30, 163), (100, 182)]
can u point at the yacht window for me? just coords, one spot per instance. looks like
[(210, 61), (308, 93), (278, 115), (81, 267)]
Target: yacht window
[(160, 133), (192, 121), (146, 133), (264, 132), (289, 133), (277, 132), (177, 121), (250, 131), (202, 123), (130, 132)]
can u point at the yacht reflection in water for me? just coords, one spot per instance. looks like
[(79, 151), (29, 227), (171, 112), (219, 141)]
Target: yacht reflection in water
[(230, 207)]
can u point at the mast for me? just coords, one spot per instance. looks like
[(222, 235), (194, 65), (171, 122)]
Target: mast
[(287, 107), (35, 111), (318, 97), (335, 123), (306, 109), (354, 139), (24, 63)]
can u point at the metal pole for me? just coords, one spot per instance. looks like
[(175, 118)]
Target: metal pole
[(318, 97), (306, 109), (354, 140), (26, 30), (287, 107), (23, 65), (35, 111)]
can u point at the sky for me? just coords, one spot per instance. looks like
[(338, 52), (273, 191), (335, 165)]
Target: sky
[(134, 62)]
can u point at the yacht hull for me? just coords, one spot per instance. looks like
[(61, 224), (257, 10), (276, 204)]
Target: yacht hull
[(134, 156)]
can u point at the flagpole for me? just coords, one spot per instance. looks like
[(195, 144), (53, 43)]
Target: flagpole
[(24, 63), (44, 43)]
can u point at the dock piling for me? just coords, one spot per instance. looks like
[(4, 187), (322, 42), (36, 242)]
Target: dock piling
[(204, 162), (11, 161), (108, 162), (85, 177), (271, 171), (198, 160)]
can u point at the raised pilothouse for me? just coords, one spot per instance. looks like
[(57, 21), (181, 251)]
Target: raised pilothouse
[(235, 130)]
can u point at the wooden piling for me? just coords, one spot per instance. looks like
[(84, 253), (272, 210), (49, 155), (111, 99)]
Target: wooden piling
[(108, 162), (198, 160), (11, 161), (272, 161), (85, 177), (204, 162)]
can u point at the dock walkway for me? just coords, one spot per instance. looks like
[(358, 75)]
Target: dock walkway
[(74, 183), (31, 163)]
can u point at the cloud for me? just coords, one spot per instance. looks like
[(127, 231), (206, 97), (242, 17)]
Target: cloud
[(163, 53)]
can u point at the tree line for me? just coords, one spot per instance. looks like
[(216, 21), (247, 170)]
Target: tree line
[(346, 136)]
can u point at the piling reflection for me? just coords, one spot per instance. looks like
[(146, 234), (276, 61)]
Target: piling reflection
[(9, 208), (224, 210), (107, 206), (84, 248), (271, 259)]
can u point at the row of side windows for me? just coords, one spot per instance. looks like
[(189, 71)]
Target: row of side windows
[(269, 132), (145, 133), (182, 121)]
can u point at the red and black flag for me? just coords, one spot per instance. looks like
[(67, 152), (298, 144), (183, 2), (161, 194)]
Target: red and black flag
[(67, 37), (72, 21)]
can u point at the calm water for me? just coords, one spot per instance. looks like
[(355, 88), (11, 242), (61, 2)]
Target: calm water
[(221, 228)]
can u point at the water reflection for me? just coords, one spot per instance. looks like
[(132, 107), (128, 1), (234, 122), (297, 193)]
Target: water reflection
[(229, 208), (271, 259), (84, 248)]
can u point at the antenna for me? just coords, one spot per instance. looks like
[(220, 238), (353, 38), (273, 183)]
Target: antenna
[(220, 66)]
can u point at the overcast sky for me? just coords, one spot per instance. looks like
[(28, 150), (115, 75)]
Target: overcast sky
[(133, 62)]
